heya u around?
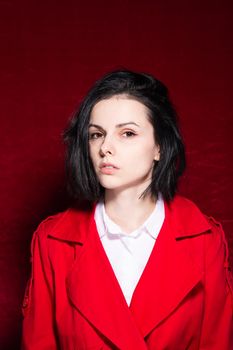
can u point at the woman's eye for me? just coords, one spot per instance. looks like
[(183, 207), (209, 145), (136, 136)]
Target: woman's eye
[(128, 134), (95, 135)]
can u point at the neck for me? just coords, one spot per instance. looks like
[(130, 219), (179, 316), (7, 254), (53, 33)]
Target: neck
[(127, 209)]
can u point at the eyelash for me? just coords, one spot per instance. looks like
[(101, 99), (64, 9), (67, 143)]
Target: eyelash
[(96, 135), (130, 133)]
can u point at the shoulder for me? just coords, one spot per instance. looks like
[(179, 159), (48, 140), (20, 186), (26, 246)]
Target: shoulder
[(190, 222), (208, 235), (69, 225), (48, 224), (188, 209), (184, 205), (192, 216), (186, 218)]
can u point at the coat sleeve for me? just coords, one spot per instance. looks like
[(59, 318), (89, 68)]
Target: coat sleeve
[(217, 327), (38, 309)]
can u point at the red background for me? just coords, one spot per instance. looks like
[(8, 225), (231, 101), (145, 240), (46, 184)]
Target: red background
[(51, 52)]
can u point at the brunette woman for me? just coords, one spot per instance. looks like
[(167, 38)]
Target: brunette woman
[(140, 267)]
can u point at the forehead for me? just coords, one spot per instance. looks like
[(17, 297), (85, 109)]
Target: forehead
[(119, 108)]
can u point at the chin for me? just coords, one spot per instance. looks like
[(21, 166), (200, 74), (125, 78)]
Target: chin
[(109, 186)]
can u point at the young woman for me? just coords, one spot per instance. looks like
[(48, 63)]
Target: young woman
[(140, 267)]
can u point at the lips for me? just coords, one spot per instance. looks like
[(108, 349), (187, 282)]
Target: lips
[(108, 168)]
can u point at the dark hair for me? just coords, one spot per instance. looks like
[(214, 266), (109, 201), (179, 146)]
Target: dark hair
[(83, 183)]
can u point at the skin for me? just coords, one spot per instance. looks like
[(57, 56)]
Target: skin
[(123, 150)]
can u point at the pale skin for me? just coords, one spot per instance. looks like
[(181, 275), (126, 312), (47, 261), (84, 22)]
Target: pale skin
[(123, 151)]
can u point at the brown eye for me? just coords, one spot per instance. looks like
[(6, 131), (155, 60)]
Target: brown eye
[(128, 134), (95, 135)]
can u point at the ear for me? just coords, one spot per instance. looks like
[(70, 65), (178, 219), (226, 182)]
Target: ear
[(157, 153)]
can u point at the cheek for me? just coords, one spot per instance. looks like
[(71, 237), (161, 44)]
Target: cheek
[(140, 155), (92, 153)]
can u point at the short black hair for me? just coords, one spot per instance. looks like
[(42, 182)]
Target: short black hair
[(143, 87)]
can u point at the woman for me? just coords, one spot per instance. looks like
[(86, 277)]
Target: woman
[(141, 267)]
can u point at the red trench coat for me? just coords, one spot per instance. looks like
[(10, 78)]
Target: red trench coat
[(182, 301)]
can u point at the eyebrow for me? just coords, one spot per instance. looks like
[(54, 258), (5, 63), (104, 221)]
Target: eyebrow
[(117, 126)]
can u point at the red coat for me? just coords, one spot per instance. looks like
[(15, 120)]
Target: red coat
[(183, 300)]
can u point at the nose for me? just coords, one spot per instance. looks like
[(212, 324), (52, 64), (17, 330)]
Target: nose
[(106, 147)]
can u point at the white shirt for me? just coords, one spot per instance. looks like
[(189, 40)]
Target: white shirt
[(128, 253)]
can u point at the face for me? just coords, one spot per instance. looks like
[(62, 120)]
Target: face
[(122, 144)]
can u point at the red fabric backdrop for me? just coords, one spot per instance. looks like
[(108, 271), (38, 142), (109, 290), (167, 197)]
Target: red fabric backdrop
[(51, 51)]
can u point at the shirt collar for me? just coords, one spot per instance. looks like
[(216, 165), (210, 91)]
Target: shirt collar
[(152, 225)]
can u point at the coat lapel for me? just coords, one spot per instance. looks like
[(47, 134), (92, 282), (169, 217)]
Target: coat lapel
[(171, 272), (94, 291)]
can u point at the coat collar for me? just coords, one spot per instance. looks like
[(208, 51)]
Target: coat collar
[(187, 220), (72, 225)]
